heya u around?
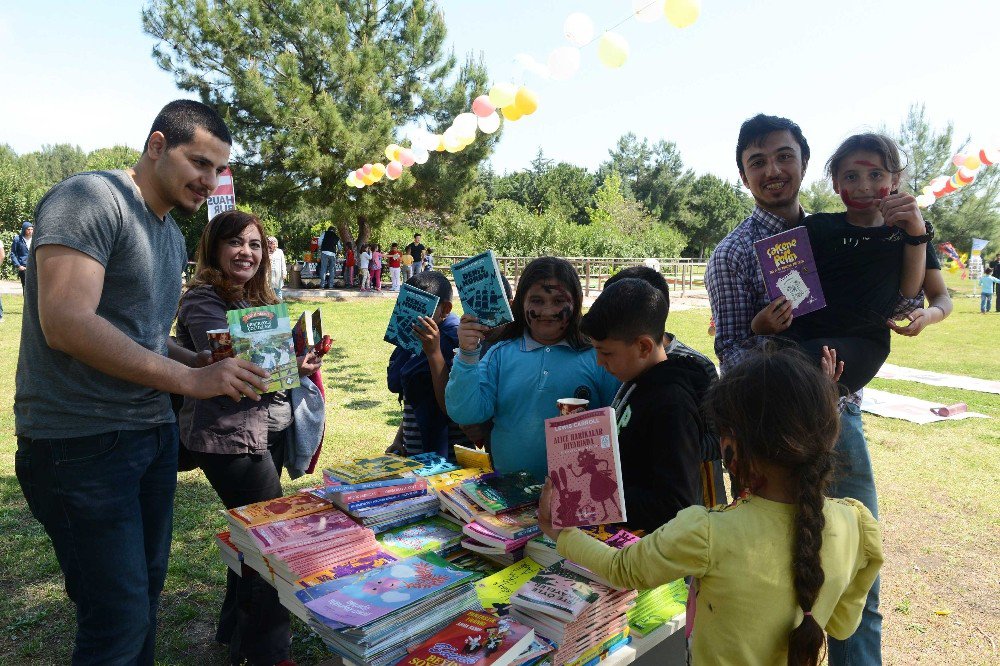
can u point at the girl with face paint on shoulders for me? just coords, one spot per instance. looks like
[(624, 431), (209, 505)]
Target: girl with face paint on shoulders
[(871, 259), (535, 360)]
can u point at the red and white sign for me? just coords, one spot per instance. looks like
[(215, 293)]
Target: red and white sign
[(224, 196)]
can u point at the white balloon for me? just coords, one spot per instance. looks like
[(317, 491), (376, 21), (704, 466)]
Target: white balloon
[(564, 62), (925, 200), (578, 28), (420, 155), (527, 62), (465, 124), (489, 124), (647, 11)]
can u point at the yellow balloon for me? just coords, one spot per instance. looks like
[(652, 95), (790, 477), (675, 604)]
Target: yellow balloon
[(350, 181), (972, 162), (525, 101), (441, 146), (368, 180), (378, 170), (511, 113), (390, 150), (682, 13), (612, 50), (502, 94)]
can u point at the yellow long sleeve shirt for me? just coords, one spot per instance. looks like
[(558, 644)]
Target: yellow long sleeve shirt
[(742, 558)]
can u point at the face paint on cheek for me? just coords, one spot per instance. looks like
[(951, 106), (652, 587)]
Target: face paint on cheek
[(883, 192), (851, 203), (532, 315), (565, 314)]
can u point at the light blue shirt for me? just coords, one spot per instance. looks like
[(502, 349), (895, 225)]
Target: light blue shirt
[(517, 384), (986, 283)]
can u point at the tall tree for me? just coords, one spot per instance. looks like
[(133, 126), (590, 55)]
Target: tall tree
[(713, 210), (819, 197), (313, 88), (567, 190), (653, 173)]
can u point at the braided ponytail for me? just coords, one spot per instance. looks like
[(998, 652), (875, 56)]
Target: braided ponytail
[(806, 640)]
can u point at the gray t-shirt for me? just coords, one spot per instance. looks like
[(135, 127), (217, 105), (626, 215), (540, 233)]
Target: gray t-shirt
[(103, 215)]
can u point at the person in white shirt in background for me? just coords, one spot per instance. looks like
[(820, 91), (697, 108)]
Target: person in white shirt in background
[(279, 269)]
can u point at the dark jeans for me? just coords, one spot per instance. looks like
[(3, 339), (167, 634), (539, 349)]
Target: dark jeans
[(107, 502), (252, 620)]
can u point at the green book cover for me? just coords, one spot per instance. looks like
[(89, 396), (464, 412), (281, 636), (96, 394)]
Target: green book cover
[(263, 336), (495, 590)]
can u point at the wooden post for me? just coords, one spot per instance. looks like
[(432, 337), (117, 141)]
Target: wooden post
[(586, 272)]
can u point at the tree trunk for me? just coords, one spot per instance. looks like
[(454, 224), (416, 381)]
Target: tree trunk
[(364, 232)]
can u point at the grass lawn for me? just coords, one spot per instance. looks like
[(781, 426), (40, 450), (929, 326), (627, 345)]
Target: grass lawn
[(942, 537)]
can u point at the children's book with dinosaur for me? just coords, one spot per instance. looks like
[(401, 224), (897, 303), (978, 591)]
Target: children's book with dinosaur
[(263, 335), (585, 468)]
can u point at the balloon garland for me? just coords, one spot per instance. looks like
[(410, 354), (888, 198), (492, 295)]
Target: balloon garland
[(515, 102), (968, 165)]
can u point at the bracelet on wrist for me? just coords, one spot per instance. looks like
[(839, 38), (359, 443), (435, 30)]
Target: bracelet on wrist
[(926, 237)]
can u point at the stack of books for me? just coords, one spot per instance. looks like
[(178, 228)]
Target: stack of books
[(502, 533), (477, 639), (575, 613), (454, 502), (351, 498), (355, 565), (229, 553), (543, 550), (430, 535), (657, 607), (371, 617), (506, 518)]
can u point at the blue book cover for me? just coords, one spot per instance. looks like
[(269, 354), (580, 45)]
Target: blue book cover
[(481, 289), (378, 501), (411, 304), (367, 485), (434, 463), (363, 598)]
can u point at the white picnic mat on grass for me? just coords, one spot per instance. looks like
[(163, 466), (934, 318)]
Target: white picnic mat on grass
[(890, 371), (914, 410)]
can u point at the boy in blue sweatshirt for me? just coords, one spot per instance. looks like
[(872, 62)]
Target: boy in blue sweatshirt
[(420, 379), (659, 422), (986, 283)]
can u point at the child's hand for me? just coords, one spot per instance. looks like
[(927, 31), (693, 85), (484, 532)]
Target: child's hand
[(918, 320), (470, 332), (829, 365), (774, 318), (545, 512), (308, 364), (902, 211), (430, 336)]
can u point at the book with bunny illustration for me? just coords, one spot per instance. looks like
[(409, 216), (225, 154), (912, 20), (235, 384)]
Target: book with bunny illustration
[(585, 468)]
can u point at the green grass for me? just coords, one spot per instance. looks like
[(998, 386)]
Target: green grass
[(937, 485)]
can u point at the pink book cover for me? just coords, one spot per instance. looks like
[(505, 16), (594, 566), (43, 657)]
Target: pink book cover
[(585, 468), (319, 526), (484, 535)]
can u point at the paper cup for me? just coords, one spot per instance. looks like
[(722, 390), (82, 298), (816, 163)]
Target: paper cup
[(221, 344), (570, 405)]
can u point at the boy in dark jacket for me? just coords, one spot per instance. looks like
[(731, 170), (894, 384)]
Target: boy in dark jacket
[(420, 379), (659, 423)]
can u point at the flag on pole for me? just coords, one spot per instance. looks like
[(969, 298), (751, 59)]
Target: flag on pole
[(978, 245), (224, 196)]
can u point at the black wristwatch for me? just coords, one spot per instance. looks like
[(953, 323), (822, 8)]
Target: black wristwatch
[(921, 239)]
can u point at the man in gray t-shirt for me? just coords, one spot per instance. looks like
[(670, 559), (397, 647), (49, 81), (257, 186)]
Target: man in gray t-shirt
[(96, 439)]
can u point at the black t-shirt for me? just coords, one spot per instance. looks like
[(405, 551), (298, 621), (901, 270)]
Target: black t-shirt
[(416, 250), (860, 270)]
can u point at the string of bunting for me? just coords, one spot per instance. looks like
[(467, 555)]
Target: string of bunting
[(968, 165), (511, 103)]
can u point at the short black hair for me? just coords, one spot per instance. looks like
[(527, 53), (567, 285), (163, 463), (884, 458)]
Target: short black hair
[(430, 250), (433, 282), (754, 130), (178, 120), (646, 274), (626, 310), (987, 271)]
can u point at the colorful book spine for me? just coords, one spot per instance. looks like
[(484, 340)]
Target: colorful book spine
[(347, 497), (585, 468), (411, 304), (380, 501), (789, 269), (480, 288), (367, 485), (483, 535)]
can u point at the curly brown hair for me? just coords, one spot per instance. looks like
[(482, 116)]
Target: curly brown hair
[(222, 227), (780, 408)]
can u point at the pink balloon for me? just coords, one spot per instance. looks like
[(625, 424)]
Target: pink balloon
[(481, 106), (406, 157), (367, 169), (359, 173), (958, 160), (394, 170)]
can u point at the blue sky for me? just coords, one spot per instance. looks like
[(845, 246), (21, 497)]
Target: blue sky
[(82, 73)]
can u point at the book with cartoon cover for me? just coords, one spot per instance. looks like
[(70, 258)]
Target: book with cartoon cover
[(360, 470), (585, 468), (435, 535), (308, 331), (481, 291), (411, 304), (495, 590), (263, 336), (474, 638), (789, 269), (269, 511), (560, 593), (434, 463), (504, 492)]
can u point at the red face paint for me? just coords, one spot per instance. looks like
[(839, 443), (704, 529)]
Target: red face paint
[(883, 192), (867, 164), (851, 203)]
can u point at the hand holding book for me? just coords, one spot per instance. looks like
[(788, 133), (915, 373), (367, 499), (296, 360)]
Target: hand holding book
[(470, 333), (545, 513)]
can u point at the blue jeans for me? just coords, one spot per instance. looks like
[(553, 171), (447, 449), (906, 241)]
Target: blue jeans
[(985, 300), (107, 503), (854, 478), (327, 264)]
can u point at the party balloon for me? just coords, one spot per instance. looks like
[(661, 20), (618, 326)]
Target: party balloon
[(965, 176), (564, 62), (452, 142), (393, 170), (578, 28), (490, 123), (366, 169), (420, 155), (948, 188), (440, 143), (368, 179), (390, 151), (350, 180), (525, 101), (482, 106), (406, 157), (989, 157), (682, 13), (925, 200), (958, 160), (465, 124), (647, 11), (502, 94), (972, 162), (510, 113), (612, 50), (927, 189), (359, 174), (378, 170)]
